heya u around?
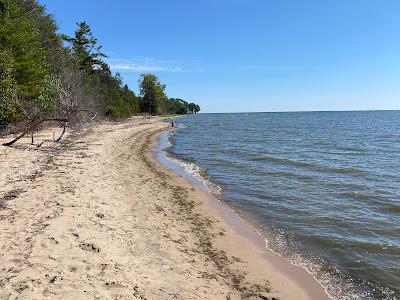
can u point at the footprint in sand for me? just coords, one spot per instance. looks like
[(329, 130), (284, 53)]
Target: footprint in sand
[(89, 247)]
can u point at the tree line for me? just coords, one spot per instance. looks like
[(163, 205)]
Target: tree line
[(46, 76)]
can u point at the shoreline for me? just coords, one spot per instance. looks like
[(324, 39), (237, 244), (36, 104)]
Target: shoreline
[(97, 216), (243, 230)]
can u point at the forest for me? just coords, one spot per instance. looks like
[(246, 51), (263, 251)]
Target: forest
[(46, 76)]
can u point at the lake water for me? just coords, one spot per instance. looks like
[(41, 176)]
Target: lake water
[(323, 188)]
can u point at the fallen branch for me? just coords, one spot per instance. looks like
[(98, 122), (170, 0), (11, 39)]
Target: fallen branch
[(32, 127), (55, 140), (62, 133), (27, 129)]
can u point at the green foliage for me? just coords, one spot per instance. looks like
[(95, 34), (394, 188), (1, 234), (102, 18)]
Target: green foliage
[(113, 99), (125, 104), (47, 28), (193, 108), (50, 160), (45, 102), (153, 94), (24, 69), (84, 47), (9, 108), (129, 102), (180, 107), (19, 36), (177, 106), (41, 79), (155, 101)]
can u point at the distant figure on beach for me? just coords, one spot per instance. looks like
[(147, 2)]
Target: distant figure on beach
[(173, 124)]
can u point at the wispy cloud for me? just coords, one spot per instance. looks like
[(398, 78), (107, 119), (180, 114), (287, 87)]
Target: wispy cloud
[(144, 65)]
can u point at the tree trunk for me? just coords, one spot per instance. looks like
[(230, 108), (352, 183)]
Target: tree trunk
[(32, 128), (27, 129), (62, 133)]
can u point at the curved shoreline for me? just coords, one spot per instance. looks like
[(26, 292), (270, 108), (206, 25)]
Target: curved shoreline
[(98, 217), (282, 268)]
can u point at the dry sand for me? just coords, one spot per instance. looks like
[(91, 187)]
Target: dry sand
[(97, 217)]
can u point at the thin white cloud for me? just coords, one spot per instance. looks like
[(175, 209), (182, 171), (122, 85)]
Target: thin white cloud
[(143, 68), (143, 65)]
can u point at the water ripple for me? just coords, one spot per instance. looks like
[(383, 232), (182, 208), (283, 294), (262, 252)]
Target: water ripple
[(322, 186)]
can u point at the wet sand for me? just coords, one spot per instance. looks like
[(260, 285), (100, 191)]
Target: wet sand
[(97, 217)]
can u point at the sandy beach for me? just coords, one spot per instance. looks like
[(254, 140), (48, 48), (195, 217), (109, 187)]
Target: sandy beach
[(96, 216)]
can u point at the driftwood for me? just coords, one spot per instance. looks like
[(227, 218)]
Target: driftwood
[(57, 139), (32, 126), (27, 129), (62, 133)]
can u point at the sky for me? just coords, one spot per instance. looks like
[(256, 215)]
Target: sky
[(251, 55)]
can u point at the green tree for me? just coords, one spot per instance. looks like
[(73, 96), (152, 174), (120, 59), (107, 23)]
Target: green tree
[(84, 47), (9, 109), (193, 108), (47, 28), (41, 79), (21, 38), (153, 94), (177, 106), (23, 62), (130, 102)]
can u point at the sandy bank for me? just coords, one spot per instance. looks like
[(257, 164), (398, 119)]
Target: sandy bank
[(97, 217)]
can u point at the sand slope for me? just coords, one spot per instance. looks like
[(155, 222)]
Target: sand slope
[(96, 217)]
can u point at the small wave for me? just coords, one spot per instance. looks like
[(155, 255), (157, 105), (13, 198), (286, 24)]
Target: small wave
[(198, 172), (293, 175), (347, 185), (287, 174), (322, 142), (350, 149), (393, 209), (284, 161), (336, 284), (309, 165), (375, 247), (349, 170), (251, 157), (356, 196)]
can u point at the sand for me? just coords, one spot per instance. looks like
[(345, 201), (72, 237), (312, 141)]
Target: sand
[(97, 217)]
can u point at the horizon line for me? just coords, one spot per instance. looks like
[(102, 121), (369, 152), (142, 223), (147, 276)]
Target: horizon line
[(298, 111)]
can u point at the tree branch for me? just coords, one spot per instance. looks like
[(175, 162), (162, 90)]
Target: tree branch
[(32, 127)]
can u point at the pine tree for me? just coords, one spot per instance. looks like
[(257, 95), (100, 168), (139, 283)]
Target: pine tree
[(9, 109), (84, 47), (47, 28), (16, 32), (20, 46)]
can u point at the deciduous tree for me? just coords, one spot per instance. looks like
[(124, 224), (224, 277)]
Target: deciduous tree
[(152, 92)]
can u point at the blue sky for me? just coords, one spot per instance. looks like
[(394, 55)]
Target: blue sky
[(252, 55)]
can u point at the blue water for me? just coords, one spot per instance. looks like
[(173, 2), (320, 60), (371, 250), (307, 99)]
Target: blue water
[(322, 187)]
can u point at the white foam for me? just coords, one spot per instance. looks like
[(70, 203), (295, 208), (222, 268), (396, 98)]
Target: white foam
[(197, 172)]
